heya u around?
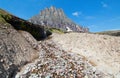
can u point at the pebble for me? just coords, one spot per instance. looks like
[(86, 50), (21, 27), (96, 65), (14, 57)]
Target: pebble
[(2, 60), (0, 46), (86, 76), (0, 72)]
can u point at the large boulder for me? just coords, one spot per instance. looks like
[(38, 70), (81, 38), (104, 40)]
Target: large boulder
[(18, 44), (15, 51)]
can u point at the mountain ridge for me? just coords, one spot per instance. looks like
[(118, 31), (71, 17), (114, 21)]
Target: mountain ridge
[(56, 18)]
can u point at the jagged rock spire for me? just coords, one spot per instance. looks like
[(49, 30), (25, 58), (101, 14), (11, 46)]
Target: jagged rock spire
[(52, 8), (56, 18)]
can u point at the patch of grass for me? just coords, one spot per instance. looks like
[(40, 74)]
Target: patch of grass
[(1, 19), (5, 15), (55, 30), (112, 33)]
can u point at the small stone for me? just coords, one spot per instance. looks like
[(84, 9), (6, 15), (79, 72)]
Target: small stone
[(35, 46), (4, 27), (86, 76), (70, 76), (0, 46), (10, 63), (81, 68), (0, 72), (39, 65), (2, 60), (25, 49), (94, 69), (48, 77), (79, 76), (39, 42)]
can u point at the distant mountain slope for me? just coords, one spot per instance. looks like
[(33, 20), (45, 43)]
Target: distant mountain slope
[(112, 33), (56, 18)]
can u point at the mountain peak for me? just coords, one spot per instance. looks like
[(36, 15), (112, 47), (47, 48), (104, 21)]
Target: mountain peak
[(56, 18), (52, 8)]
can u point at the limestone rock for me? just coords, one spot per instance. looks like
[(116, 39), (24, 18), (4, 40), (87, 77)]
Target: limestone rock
[(56, 18)]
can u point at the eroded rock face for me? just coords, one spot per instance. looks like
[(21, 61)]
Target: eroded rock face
[(15, 51), (56, 18)]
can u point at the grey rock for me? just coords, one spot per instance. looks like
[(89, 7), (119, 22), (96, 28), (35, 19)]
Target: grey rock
[(56, 18), (12, 52)]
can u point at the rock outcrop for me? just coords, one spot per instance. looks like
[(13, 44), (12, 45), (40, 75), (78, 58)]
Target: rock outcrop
[(15, 51), (38, 31), (56, 18), (17, 46)]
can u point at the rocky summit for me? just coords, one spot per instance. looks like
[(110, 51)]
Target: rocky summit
[(53, 17)]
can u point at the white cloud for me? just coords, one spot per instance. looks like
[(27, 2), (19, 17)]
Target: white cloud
[(77, 14), (104, 5)]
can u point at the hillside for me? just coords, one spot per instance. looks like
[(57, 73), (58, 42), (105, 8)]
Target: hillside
[(102, 51), (99, 53)]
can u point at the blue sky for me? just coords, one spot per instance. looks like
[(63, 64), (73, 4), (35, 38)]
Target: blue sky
[(98, 15)]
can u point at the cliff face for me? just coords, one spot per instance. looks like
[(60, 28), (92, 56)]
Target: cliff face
[(56, 18)]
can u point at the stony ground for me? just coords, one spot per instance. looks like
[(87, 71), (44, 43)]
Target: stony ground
[(102, 51), (54, 62), (75, 55)]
